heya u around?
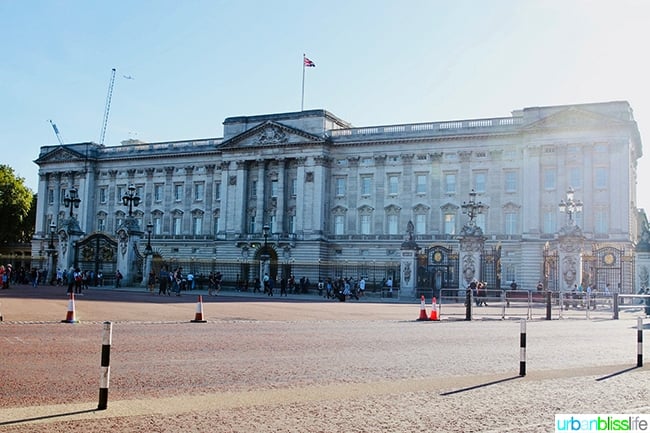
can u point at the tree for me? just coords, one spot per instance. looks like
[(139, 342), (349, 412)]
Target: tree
[(16, 204)]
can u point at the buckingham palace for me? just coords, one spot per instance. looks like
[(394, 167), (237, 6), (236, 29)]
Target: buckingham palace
[(547, 195)]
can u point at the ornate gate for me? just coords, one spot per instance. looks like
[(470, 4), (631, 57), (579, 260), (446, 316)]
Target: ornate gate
[(438, 269), (491, 267), (551, 269), (96, 253), (608, 266)]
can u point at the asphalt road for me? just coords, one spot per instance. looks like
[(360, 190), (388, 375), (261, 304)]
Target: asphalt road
[(300, 364)]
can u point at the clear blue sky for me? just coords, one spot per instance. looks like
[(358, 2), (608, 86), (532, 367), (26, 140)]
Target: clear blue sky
[(193, 63)]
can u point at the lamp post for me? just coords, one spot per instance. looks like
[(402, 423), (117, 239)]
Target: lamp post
[(571, 206), (148, 249), (52, 231), (130, 199), (472, 208), (72, 200)]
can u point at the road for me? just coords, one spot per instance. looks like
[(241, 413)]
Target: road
[(300, 364)]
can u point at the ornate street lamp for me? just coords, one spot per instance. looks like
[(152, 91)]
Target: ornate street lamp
[(72, 200), (570, 206), (52, 232), (472, 208), (148, 249), (130, 199)]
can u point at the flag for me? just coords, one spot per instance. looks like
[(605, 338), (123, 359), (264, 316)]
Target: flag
[(308, 63)]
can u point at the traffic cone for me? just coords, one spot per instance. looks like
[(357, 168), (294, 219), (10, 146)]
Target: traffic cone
[(434, 309), (198, 317), (423, 309), (70, 316)]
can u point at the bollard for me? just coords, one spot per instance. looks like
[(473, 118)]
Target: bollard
[(105, 368), (522, 348), (639, 341), (468, 304), (615, 306), (548, 305)]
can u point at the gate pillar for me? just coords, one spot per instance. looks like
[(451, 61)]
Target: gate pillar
[(128, 236), (409, 263)]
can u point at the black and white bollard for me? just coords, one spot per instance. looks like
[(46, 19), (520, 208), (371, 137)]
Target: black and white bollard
[(105, 368), (639, 341), (522, 349)]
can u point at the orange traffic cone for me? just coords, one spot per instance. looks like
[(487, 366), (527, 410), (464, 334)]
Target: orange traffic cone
[(423, 309), (198, 317), (70, 316), (434, 309)]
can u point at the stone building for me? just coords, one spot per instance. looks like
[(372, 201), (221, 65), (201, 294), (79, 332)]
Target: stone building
[(308, 194)]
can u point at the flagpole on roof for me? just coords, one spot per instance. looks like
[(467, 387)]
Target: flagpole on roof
[(302, 98)]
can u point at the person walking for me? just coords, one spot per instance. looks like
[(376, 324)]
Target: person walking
[(163, 276)]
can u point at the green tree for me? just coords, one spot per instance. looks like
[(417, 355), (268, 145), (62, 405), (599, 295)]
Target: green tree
[(16, 204)]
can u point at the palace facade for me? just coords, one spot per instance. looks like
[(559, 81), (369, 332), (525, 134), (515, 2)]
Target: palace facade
[(308, 194)]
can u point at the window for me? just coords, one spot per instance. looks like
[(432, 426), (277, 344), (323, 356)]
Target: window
[(119, 220), (101, 224), (549, 178), (340, 186), (120, 193), (450, 183), (365, 224), (480, 181), (366, 185), (217, 191), (177, 225), (601, 178), (450, 224), (158, 193), (102, 195), (254, 188), (393, 184), (601, 225), (198, 191), (575, 177), (178, 192), (217, 221), (294, 185), (292, 223), (157, 225), (511, 219), (339, 224), (197, 224), (421, 184), (481, 221), (274, 188), (50, 196), (252, 226), (392, 224), (549, 225), (139, 191), (420, 224), (510, 181)]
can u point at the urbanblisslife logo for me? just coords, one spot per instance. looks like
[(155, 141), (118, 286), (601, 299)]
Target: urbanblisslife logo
[(602, 422)]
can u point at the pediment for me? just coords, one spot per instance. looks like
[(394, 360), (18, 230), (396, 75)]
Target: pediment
[(574, 118), (271, 134), (60, 154)]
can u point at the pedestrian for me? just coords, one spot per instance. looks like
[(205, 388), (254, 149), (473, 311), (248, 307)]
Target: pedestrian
[(217, 282), (151, 281), (389, 286), (118, 278), (647, 302), (362, 286), (163, 277), (283, 286), (78, 278)]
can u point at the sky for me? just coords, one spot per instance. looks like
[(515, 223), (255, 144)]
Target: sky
[(183, 67)]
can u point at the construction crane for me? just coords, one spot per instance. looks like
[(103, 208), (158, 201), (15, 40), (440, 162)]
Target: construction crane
[(56, 131), (107, 109)]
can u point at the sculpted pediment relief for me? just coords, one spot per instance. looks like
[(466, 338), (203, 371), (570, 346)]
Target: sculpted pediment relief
[(60, 154), (573, 118), (271, 134)]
